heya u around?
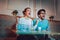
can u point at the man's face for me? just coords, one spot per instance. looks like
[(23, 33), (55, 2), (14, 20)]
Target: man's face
[(42, 15)]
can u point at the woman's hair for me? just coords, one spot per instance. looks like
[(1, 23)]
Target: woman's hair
[(39, 12), (15, 12), (25, 10)]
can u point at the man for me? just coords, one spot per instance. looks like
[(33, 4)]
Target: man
[(41, 21), (41, 24)]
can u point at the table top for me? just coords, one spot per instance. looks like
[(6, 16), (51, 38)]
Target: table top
[(37, 32)]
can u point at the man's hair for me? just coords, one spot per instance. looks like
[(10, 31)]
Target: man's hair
[(39, 12)]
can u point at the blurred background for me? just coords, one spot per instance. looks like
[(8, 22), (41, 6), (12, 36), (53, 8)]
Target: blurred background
[(52, 8)]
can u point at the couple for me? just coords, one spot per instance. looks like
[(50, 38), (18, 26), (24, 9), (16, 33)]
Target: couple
[(25, 23)]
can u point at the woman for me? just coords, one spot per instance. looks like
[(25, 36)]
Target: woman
[(24, 23), (14, 13), (12, 30)]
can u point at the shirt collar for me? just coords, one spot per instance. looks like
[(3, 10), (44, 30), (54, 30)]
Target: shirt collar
[(40, 19)]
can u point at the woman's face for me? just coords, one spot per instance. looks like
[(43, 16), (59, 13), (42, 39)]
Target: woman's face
[(28, 11), (14, 14)]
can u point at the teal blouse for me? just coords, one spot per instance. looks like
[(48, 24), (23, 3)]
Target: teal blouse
[(44, 24)]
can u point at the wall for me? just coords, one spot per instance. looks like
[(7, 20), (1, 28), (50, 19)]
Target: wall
[(51, 6), (58, 10)]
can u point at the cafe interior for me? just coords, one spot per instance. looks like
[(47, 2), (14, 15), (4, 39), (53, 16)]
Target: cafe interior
[(8, 21)]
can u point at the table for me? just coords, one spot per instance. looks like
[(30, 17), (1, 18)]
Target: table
[(37, 33), (33, 32)]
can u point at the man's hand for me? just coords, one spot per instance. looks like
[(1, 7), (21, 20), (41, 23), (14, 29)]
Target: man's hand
[(37, 22)]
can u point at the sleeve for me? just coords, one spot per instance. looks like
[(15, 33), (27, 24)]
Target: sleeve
[(34, 22), (18, 24), (48, 27)]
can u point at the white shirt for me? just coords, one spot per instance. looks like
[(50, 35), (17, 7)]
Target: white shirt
[(25, 21)]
